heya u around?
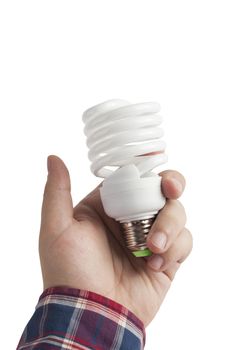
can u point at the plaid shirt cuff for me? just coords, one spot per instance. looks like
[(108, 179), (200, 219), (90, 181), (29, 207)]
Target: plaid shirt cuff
[(67, 318)]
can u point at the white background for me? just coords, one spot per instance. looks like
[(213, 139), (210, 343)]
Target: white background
[(60, 57)]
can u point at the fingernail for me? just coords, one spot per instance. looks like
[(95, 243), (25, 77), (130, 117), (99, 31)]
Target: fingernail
[(156, 262), (159, 240), (49, 164), (178, 185)]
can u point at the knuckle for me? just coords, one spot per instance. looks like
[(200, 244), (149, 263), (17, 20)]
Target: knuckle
[(179, 205), (181, 209), (187, 245), (190, 239)]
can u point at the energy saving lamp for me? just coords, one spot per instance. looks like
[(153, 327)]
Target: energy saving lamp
[(125, 145)]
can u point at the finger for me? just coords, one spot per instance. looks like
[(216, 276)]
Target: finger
[(167, 226), (173, 184), (169, 261), (57, 207), (172, 270)]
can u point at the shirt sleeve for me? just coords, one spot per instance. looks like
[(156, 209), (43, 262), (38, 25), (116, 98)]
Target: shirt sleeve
[(67, 318)]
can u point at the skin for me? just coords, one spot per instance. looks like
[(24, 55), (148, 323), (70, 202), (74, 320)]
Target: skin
[(83, 248)]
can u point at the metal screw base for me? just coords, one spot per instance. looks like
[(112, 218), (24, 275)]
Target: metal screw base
[(135, 233)]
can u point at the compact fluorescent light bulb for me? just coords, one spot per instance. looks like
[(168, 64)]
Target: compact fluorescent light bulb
[(124, 147)]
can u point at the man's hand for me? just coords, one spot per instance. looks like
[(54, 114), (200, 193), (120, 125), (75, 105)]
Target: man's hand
[(83, 248)]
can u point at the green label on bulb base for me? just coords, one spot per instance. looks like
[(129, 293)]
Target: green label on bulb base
[(142, 253)]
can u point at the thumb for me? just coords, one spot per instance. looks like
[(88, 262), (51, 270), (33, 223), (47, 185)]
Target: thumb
[(57, 207)]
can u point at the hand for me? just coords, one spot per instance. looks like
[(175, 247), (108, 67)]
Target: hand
[(83, 248)]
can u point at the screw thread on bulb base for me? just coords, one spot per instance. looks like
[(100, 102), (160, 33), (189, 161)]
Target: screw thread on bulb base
[(135, 234)]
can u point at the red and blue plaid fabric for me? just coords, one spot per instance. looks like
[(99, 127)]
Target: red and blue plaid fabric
[(67, 318)]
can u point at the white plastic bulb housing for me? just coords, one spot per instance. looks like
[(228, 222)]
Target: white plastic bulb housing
[(125, 145), (126, 196)]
